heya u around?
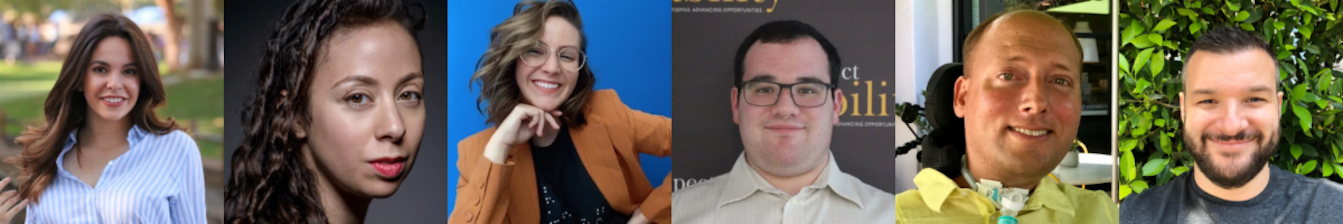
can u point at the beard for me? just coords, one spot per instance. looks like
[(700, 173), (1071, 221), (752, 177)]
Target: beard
[(1230, 176)]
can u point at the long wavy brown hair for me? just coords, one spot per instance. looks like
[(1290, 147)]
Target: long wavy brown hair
[(65, 108), (496, 70), (269, 181)]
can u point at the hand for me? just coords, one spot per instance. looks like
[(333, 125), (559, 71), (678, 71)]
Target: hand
[(10, 204), (638, 217), (525, 122)]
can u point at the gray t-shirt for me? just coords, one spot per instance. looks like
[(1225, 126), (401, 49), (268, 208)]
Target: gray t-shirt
[(1288, 198)]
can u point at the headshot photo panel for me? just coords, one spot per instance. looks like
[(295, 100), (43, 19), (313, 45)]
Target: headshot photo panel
[(559, 112), (333, 107), (791, 100)]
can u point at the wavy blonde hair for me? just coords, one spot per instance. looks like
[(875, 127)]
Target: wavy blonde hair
[(496, 70)]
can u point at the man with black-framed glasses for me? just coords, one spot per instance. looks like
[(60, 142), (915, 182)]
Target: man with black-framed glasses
[(785, 104)]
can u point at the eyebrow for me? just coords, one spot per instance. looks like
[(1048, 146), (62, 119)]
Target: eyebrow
[(1056, 65), (106, 64), (363, 79), (1253, 89), (770, 78)]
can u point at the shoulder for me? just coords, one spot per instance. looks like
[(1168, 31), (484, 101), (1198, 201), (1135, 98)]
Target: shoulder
[(703, 191), (873, 198), (176, 141), (605, 103), (1150, 204), (476, 142)]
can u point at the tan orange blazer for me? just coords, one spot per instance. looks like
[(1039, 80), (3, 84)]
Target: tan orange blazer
[(609, 146)]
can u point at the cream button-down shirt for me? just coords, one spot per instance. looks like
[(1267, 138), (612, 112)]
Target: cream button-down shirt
[(743, 196)]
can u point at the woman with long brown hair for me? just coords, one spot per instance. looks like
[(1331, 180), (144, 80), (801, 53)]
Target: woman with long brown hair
[(337, 116), (104, 154), (560, 152)]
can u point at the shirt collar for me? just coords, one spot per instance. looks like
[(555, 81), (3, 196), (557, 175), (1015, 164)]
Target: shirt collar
[(743, 181), (935, 187), (132, 136)]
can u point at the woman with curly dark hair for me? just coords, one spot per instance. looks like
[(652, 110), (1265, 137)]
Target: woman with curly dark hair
[(337, 116), (560, 152), (104, 154)]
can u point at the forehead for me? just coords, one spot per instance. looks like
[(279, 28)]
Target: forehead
[(384, 48), (1029, 37), (559, 32), (113, 49), (787, 61), (1241, 68)]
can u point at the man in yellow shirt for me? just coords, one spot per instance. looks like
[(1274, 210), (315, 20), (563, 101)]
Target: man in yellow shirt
[(1021, 101)]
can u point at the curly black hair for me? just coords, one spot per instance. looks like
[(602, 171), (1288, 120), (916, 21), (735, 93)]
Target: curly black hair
[(269, 181)]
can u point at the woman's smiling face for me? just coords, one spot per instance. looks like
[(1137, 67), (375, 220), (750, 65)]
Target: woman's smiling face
[(112, 80)]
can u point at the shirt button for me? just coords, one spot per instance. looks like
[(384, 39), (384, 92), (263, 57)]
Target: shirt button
[(469, 217), (476, 200)]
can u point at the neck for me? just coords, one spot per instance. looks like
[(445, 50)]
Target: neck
[(1005, 176), (339, 206), (1242, 193), (97, 131), (793, 185)]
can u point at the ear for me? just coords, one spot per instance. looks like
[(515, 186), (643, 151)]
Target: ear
[(958, 100), (734, 107), (1184, 112), (839, 102), (300, 130)]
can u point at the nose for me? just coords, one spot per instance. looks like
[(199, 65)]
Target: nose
[(1034, 99), (552, 64), (389, 125), (1232, 119), (115, 83), (784, 107)]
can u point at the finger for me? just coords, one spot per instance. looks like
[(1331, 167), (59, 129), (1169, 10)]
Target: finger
[(553, 121), (7, 199), (16, 209), (5, 182)]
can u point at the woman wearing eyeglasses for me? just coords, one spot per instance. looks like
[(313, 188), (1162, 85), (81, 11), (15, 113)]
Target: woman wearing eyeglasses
[(559, 152)]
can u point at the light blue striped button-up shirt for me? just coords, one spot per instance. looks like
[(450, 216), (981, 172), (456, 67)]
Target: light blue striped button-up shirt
[(158, 180)]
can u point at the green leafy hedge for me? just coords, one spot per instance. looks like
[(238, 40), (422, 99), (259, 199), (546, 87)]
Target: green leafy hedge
[(1308, 40)]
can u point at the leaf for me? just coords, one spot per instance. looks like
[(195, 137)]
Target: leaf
[(1179, 170), (1234, 5), (1128, 145), (1163, 25), (1142, 60), (1278, 24), (1126, 163), (1123, 63), (1158, 62), (1303, 116), (1308, 167), (1195, 27), (1124, 191), (1246, 26), (1242, 15), (1138, 186), (1312, 49), (1155, 38), (1154, 167), (1326, 169), (1296, 151)]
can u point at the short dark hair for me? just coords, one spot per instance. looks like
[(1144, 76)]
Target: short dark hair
[(1227, 40), (784, 32), (972, 39)]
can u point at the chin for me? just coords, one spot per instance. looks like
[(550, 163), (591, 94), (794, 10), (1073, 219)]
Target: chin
[(382, 189)]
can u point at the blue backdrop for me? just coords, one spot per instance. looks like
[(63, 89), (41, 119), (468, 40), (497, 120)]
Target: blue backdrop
[(629, 50)]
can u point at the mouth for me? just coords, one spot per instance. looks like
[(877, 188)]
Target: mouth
[(113, 101), (784, 128), (1030, 132), (546, 86), (388, 167)]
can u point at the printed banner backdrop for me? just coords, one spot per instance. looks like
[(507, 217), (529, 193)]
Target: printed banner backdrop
[(705, 37), (628, 49)]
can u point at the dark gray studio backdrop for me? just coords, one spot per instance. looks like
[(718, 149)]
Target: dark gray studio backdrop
[(422, 197), (705, 37)]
